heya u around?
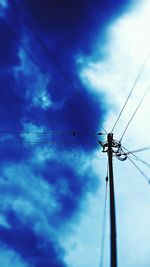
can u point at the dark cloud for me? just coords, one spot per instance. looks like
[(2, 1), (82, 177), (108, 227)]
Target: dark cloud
[(34, 249), (72, 25), (7, 48), (70, 187), (69, 29)]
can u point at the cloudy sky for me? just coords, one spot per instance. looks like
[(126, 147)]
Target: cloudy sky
[(66, 69)]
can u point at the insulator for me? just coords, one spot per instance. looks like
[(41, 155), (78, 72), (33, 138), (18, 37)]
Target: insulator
[(121, 157)]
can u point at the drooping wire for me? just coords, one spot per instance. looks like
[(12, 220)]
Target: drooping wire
[(54, 59), (132, 89), (137, 158), (104, 223), (40, 142), (136, 150), (40, 135), (43, 71), (50, 142), (138, 168), (73, 133), (134, 113), (141, 160)]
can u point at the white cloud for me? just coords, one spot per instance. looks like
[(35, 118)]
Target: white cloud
[(127, 48)]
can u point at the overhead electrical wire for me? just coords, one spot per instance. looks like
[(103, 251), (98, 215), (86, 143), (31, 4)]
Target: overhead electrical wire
[(132, 89), (44, 46), (138, 77), (47, 142), (136, 150), (145, 93), (141, 160), (55, 60), (43, 71), (39, 142), (138, 168), (136, 157), (73, 133)]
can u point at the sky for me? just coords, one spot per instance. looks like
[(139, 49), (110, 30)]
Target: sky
[(66, 70)]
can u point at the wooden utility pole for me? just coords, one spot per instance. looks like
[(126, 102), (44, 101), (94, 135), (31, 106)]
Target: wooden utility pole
[(113, 245)]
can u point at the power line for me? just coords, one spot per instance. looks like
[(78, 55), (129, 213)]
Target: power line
[(137, 167), (53, 58), (73, 133), (42, 70), (137, 158), (137, 150), (50, 142), (145, 93), (141, 160), (40, 142), (132, 89)]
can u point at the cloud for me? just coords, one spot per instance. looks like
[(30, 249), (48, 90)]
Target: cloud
[(45, 189), (34, 249), (26, 229), (7, 256), (3, 3), (114, 76)]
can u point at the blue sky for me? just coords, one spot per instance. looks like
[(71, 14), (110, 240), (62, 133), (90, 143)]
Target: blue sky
[(66, 68)]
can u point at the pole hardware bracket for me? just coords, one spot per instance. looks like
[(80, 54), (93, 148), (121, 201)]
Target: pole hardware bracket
[(117, 150)]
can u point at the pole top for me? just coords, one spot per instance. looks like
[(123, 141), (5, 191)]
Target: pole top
[(117, 150)]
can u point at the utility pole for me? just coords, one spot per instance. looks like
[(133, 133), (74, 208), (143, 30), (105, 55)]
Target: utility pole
[(113, 148), (113, 245)]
